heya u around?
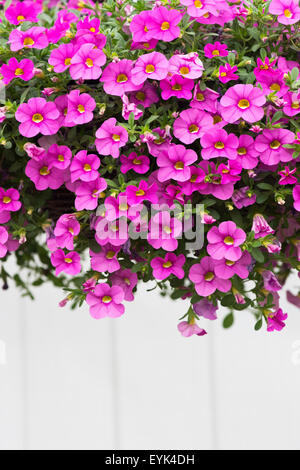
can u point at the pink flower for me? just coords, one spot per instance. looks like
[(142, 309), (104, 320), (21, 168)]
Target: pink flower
[(3, 241), (262, 66), (67, 227), (247, 155), (243, 197), (59, 156), (174, 163), (272, 81), (110, 138), (87, 62), (193, 184), (32, 38), (106, 260), (292, 103), (287, 11), (144, 192), (188, 329), (227, 268), (18, 13), (215, 50), (145, 97), (217, 143), (204, 100), (127, 280), (15, 69), (129, 108), (276, 321), (296, 196), (260, 226), (205, 279), (163, 24), (287, 176), (191, 125), (226, 73), (80, 107), (177, 86), (44, 176), (224, 241), (171, 264), (206, 309), (163, 231), (9, 200), (138, 163), (87, 194), (270, 146), (188, 66), (106, 301), (213, 183), (139, 27), (153, 65), (243, 101), (84, 167), (68, 263), (197, 8), (37, 116), (33, 151), (271, 282), (117, 78), (61, 57)]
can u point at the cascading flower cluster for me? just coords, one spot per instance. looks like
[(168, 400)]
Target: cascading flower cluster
[(152, 141)]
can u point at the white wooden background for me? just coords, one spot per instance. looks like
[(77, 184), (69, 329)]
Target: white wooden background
[(70, 382)]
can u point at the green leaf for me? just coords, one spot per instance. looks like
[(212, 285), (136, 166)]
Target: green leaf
[(258, 255), (228, 300), (228, 321), (258, 325)]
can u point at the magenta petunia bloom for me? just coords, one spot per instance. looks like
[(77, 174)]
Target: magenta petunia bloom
[(287, 176), (87, 62), (177, 86), (43, 175), (37, 116), (287, 11), (68, 263), (191, 125), (153, 65), (189, 329), (205, 100), (224, 241), (171, 264), (174, 163), (139, 27), (276, 321), (14, 69), (80, 107), (87, 194), (243, 101), (84, 167), (163, 24), (114, 232), (3, 241), (215, 50), (110, 138), (226, 73), (127, 280), (271, 282), (188, 65), (59, 156), (32, 38), (145, 96), (138, 163), (19, 12), (296, 196), (217, 143), (143, 192), (270, 146), (61, 57), (67, 227), (206, 309), (116, 207), (200, 8), (204, 277), (247, 155), (227, 268), (292, 103), (193, 184), (260, 226), (9, 200), (164, 231), (117, 78), (272, 81), (243, 197), (106, 301), (106, 260)]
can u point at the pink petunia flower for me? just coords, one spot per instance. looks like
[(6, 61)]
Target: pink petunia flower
[(67, 227), (217, 143), (130, 107), (171, 264), (292, 104), (9, 200), (37, 116), (271, 282), (243, 197), (106, 260), (204, 100), (272, 81), (191, 125), (174, 163), (193, 184), (296, 196), (61, 57), (106, 301), (215, 50), (287, 176), (87, 194), (206, 309), (145, 96), (188, 65), (260, 226), (43, 175), (32, 38), (153, 65), (84, 167), (164, 231), (224, 241), (86, 63), (110, 138), (138, 163), (163, 24), (243, 101), (247, 155), (127, 280), (59, 156), (19, 12), (197, 8), (143, 192), (287, 11), (14, 69), (117, 78), (213, 183), (189, 329), (226, 73), (139, 27), (176, 86), (227, 268), (3, 241), (33, 151), (68, 263), (80, 107), (204, 277), (270, 146)]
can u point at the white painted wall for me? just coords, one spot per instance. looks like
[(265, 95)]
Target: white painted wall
[(70, 382)]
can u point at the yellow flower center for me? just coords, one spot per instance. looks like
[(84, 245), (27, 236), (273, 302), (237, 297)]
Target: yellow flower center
[(193, 128), (275, 87), (165, 26), (60, 158), (243, 104), (184, 70), (217, 119), (295, 105), (200, 96), (167, 264), (6, 200), (179, 165), (37, 118), (229, 263), (198, 4), (140, 95), (110, 254), (123, 206), (19, 72), (223, 74), (116, 137), (93, 30), (89, 62), (20, 18), (68, 260), (241, 151), (275, 144), (150, 68), (44, 171), (167, 229), (136, 161), (68, 61), (215, 53), (207, 15), (140, 192), (209, 276), (106, 299), (71, 231), (219, 145), (228, 240), (87, 167), (122, 78), (28, 42), (287, 13), (95, 194), (80, 108), (177, 87), (193, 179)]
